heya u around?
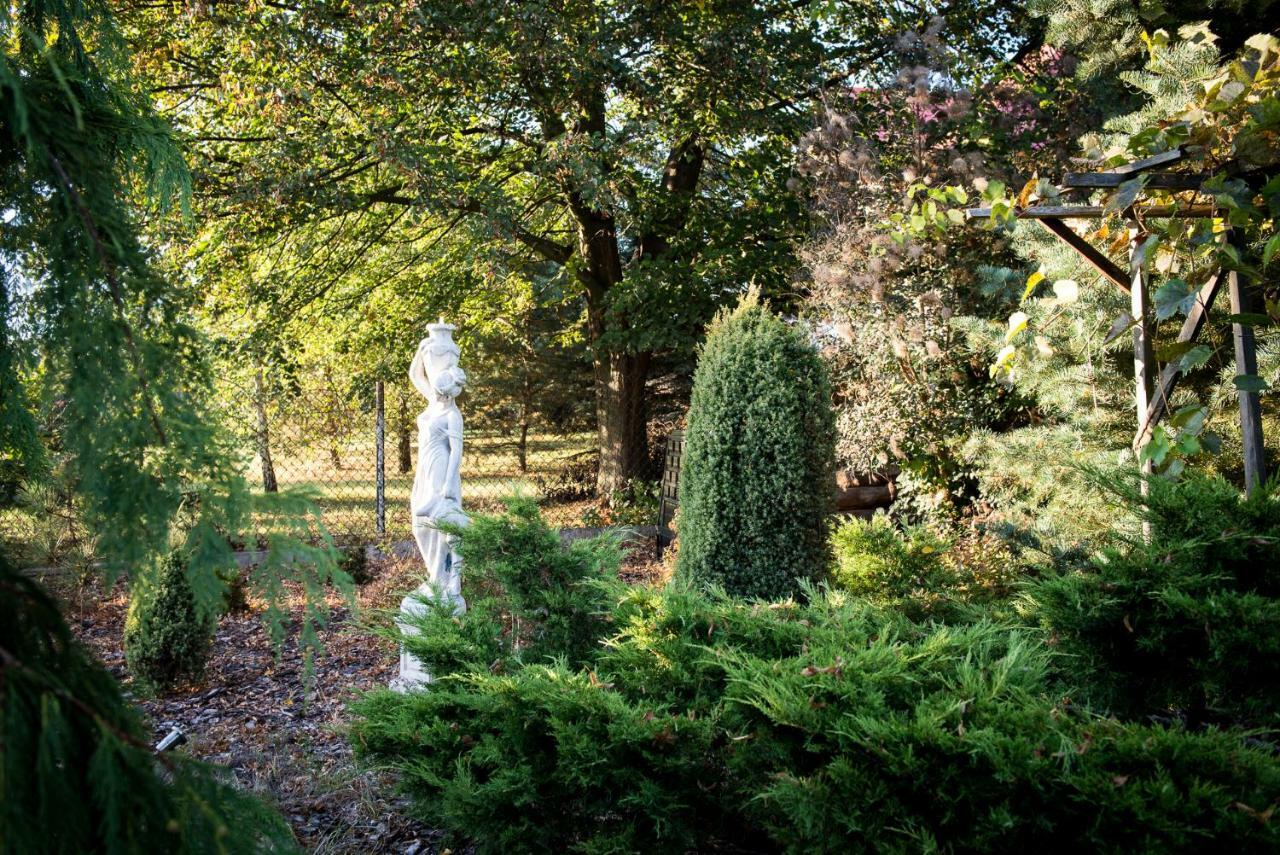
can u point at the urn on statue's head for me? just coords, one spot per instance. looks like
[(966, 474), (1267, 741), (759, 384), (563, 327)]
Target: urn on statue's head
[(439, 348)]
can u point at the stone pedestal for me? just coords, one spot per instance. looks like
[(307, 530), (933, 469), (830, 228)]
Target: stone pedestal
[(413, 674)]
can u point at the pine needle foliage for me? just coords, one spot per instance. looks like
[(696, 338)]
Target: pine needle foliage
[(95, 334), (76, 772), (1185, 624), (532, 598), (81, 154), (706, 722), (167, 633), (756, 481)]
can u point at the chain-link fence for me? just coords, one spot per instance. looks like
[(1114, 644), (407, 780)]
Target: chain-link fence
[(360, 469), (354, 451)]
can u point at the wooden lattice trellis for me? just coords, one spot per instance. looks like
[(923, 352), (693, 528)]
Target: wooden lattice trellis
[(1152, 391)]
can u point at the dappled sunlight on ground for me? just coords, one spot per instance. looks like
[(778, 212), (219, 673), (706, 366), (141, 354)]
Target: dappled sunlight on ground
[(250, 711)]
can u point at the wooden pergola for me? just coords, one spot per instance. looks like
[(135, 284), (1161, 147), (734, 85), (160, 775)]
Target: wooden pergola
[(1152, 392)]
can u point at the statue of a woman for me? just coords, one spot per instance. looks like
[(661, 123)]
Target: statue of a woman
[(437, 487), (437, 483)]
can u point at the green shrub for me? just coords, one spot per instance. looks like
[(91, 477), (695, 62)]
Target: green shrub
[(354, 561), (920, 574), (1189, 621), (530, 597), (706, 722), (756, 479), (167, 633), (877, 561)]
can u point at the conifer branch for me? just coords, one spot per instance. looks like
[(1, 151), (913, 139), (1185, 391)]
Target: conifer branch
[(113, 282)]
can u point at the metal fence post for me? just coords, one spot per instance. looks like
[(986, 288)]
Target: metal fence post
[(380, 443)]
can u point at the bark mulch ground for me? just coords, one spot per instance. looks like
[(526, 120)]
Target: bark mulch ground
[(249, 712)]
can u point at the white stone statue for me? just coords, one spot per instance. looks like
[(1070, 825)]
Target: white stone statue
[(437, 486)]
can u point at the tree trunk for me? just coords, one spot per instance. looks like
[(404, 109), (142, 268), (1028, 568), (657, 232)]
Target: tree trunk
[(405, 443), (621, 419), (269, 483), (522, 447), (620, 377)]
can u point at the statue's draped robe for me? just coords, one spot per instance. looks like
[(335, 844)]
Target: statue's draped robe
[(435, 497)]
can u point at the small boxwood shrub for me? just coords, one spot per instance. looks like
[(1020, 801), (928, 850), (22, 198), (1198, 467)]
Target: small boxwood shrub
[(756, 479), (1188, 623), (167, 633)]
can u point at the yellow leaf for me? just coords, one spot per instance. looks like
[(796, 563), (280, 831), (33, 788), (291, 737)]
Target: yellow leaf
[(1017, 323), (1032, 281)]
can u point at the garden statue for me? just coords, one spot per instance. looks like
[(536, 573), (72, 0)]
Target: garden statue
[(437, 487)]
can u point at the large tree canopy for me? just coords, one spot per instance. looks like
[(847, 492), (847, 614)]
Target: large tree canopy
[(640, 147)]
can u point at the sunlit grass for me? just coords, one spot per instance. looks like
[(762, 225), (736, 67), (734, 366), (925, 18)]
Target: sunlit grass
[(346, 494)]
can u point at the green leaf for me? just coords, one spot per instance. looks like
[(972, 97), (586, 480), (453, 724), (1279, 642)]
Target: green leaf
[(1250, 383), (1190, 419), (1188, 445), (1268, 251), (1157, 448), (1195, 357), (1124, 196), (1174, 297), (1211, 442)]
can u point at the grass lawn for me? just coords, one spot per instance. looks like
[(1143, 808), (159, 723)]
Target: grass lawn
[(346, 492)]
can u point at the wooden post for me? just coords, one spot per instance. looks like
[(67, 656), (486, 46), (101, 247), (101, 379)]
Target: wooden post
[(1255, 469), (380, 475), (1144, 360), (1169, 376)]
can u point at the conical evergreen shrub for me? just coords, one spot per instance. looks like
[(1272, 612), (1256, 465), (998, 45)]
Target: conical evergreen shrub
[(167, 633), (756, 479)]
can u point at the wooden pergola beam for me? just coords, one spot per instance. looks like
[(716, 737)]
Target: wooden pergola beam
[(1164, 158), (1095, 212), (1104, 180), (1095, 258), (1169, 377), (1144, 357), (1246, 351), (1151, 393)]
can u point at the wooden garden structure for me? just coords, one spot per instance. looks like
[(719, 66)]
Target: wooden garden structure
[(1152, 392)]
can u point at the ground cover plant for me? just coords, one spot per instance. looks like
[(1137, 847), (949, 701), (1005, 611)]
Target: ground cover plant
[(700, 720), (1183, 625)]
